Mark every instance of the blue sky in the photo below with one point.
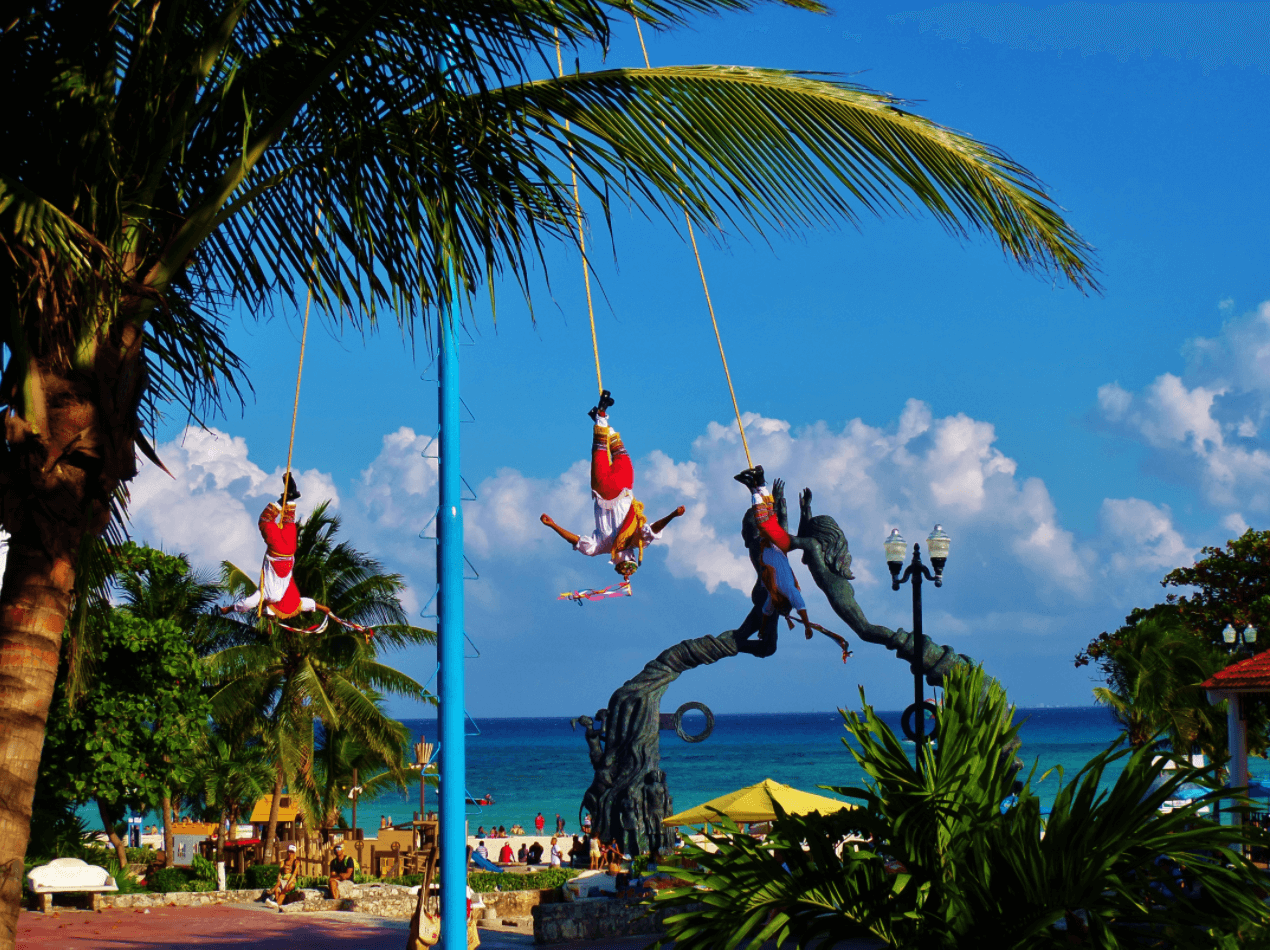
(1075, 447)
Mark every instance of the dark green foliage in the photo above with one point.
(1233, 587)
(1154, 669)
(1153, 665)
(261, 875)
(140, 723)
(171, 880)
(485, 881)
(941, 866)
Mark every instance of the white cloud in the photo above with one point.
(1145, 534)
(203, 508)
(1206, 424)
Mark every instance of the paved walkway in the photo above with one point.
(227, 926)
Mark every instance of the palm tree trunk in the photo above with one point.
(35, 601)
(221, 832)
(271, 832)
(108, 822)
(168, 844)
(66, 444)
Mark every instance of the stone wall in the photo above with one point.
(382, 900)
(180, 898)
(595, 919)
(519, 903)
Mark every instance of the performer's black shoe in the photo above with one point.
(752, 478)
(606, 400)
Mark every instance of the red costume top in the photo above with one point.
(281, 595)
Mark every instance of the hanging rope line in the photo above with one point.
(692, 235)
(577, 210)
(295, 412)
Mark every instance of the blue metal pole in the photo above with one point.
(453, 843)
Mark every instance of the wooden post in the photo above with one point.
(423, 754)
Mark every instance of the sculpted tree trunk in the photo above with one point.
(627, 797)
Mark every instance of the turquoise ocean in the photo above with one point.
(541, 765)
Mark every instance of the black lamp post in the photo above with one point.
(937, 545)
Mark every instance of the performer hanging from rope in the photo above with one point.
(621, 530)
(282, 597)
(768, 548)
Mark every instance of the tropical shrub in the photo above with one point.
(941, 864)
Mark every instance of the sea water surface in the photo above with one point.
(541, 765)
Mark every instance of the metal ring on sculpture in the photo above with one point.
(704, 734)
(906, 721)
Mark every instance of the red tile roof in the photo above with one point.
(1252, 673)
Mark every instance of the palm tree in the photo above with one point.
(288, 679)
(342, 762)
(234, 772)
(934, 858)
(158, 160)
(1155, 670)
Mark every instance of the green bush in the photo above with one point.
(140, 855)
(168, 880)
(262, 876)
(203, 869)
(485, 881)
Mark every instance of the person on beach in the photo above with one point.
(287, 876)
(535, 853)
(522, 856)
(540, 823)
(621, 530)
(555, 858)
(615, 857)
(586, 823)
(596, 853)
(505, 855)
(559, 824)
(482, 850)
(341, 870)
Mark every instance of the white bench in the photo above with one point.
(69, 876)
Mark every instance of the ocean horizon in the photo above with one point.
(540, 764)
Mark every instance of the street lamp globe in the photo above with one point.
(1250, 634)
(1229, 635)
(937, 547)
(896, 548)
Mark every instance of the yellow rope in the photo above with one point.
(295, 411)
(692, 235)
(577, 208)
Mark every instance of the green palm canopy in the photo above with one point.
(160, 160)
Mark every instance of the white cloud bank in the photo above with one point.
(1207, 426)
(921, 471)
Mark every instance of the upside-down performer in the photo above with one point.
(282, 597)
(772, 563)
(621, 530)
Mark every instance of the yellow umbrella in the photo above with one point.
(754, 803)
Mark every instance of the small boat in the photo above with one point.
(487, 800)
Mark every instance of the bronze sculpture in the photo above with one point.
(627, 797)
